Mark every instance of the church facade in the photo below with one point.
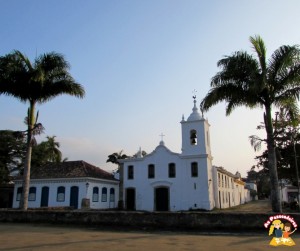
(168, 181)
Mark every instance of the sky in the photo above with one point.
(139, 63)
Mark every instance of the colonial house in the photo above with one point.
(229, 189)
(168, 181)
(69, 184)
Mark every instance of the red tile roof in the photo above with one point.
(70, 169)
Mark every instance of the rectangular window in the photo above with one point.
(219, 180)
(60, 194)
(112, 195)
(95, 194)
(151, 171)
(104, 194)
(194, 169)
(130, 173)
(19, 193)
(172, 170)
(32, 194)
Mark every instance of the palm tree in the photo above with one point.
(36, 83)
(55, 154)
(246, 80)
(114, 158)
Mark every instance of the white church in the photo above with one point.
(168, 181)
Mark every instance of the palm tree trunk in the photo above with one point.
(272, 162)
(121, 192)
(27, 166)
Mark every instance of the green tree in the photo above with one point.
(35, 83)
(114, 157)
(246, 80)
(286, 127)
(55, 154)
(12, 153)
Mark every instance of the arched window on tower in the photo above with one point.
(193, 137)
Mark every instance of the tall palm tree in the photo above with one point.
(36, 83)
(246, 80)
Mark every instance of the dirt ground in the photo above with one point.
(257, 206)
(32, 237)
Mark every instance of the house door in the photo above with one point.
(130, 199)
(45, 197)
(74, 197)
(161, 199)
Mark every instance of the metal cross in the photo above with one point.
(162, 136)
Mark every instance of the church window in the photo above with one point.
(193, 137)
(130, 173)
(32, 194)
(194, 169)
(172, 170)
(60, 194)
(95, 194)
(112, 195)
(19, 193)
(151, 171)
(104, 194)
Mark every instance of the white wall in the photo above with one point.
(185, 192)
(68, 183)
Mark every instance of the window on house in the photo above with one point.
(112, 195)
(32, 194)
(19, 193)
(172, 170)
(130, 173)
(219, 180)
(194, 169)
(193, 137)
(95, 194)
(104, 194)
(60, 194)
(151, 171)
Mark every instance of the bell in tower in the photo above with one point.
(193, 137)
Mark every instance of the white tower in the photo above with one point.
(195, 134)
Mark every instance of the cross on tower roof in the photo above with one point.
(162, 136)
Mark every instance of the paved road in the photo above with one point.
(30, 237)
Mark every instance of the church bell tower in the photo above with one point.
(195, 134)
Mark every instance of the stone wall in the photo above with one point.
(199, 221)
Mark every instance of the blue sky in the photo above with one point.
(139, 62)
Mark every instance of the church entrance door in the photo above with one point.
(161, 197)
(45, 197)
(74, 197)
(130, 199)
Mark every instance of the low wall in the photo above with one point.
(143, 220)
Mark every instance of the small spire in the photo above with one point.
(182, 117)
